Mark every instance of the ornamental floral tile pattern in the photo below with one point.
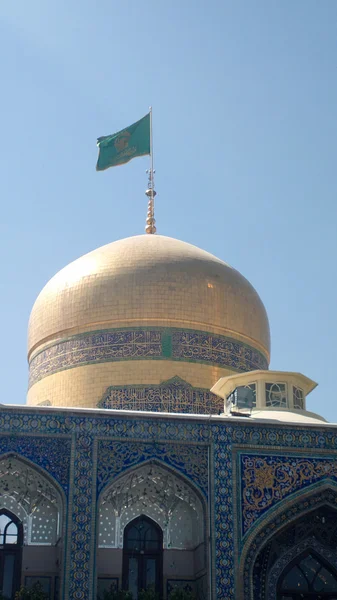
(80, 577)
(223, 514)
(266, 480)
(52, 454)
(284, 436)
(116, 457)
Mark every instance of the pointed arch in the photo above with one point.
(294, 556)
(189, 493)
(4, 530)
(274, 521)
(190, 460)
(35, 496)
(163, 465)
(43, 472)
(143, 553)
(156, 491)
(36, 508)
(11, 543)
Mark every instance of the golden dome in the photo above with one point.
(145, 283)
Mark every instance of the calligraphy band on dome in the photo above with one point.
(142, 344)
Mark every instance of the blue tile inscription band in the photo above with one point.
(174, 395)
(142, 344)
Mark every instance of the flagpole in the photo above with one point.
(150, 192)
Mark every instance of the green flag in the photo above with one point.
(119, 148)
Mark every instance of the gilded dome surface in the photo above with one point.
(99, 321)
(148, 278)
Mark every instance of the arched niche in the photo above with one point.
(307, 522)
(38, 503)
(143, 556)
(308, 574)
(158, 493)
(31, 495)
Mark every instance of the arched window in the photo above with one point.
(8, 530)
(11, 541)
(142, 556)
(308, 577)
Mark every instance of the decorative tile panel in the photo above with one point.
(142, 344)
(59, 422)
(52, 454)
(223, 514)
(80, 573)
(266, 480)
(174, 395)
(116, 457)
(265, 434)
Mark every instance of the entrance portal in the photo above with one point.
(142, 556)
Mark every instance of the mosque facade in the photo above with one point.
(157, 451)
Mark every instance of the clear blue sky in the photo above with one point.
(244, 95)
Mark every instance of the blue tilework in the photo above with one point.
(52, 454)
(153, 433)
(56, 421)
(92, 348)
(205, 347)
(174, 395)
(80, 575)
(247, 435)
(116, 457)
(136, 344)
(296, 510)
(223, 515)
(268, 479)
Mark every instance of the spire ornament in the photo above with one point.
(150, 192)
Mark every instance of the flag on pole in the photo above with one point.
(119, 148)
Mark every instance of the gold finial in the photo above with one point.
(150, 220)
(150, 193)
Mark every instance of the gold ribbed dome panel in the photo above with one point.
(148, 279)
